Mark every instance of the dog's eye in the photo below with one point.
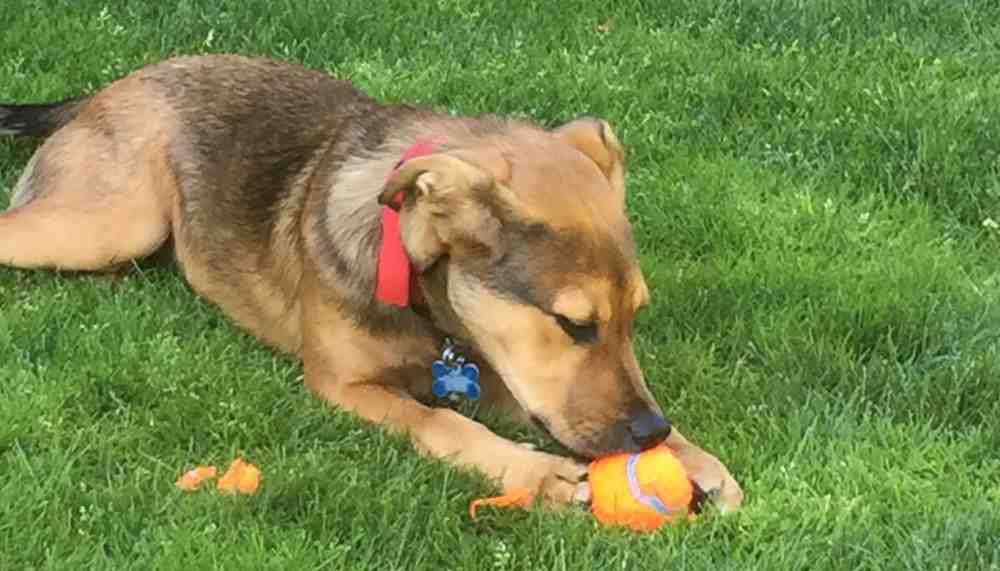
(579, 332)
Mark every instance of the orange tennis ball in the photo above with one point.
(640, 491)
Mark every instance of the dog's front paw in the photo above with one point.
(555, 480)
(712, 477)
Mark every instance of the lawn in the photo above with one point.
(815, 187)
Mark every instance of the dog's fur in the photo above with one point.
(266, 179)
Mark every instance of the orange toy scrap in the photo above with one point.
(240, 478)
(192, 479)
(519, 497)
(640, 491)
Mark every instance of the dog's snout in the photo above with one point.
(642, 428)
(648, 428)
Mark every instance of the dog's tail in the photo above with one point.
(38, 119)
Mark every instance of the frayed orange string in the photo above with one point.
(518, 498)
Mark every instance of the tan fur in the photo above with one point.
(100, 216)
(269, 178)
(21, 194)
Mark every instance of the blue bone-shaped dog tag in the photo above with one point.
(458, 379)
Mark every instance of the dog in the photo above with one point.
(375, 242)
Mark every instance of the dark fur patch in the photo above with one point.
(535, 254)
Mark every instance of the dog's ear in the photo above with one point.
(596, 139)
(444, 205)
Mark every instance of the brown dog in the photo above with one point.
(270, 180)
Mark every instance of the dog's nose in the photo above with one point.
(648, 428)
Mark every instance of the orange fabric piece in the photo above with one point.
(241, 478)
(192, 479)
(518, 498)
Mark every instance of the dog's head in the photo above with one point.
(528, 237)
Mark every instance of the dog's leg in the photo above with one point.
(374, 376)
(84, 204)
(446, 434)
(62, 235)
(707, 471)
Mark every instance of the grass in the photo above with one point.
(815, 187)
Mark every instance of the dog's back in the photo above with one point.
(240, 161)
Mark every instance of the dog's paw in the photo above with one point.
(712, 477)
(555, 480)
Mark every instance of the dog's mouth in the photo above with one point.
(540, 423)
(537, 421)
(570, 450)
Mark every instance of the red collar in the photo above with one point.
(395, 278)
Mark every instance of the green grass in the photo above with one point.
(812, 183)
